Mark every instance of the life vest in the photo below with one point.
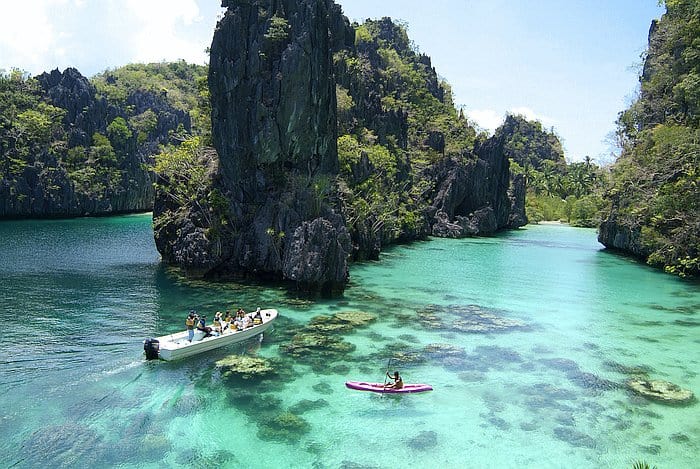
(189, 323)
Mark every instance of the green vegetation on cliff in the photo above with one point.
(33, 136)
(28, 124)
(655, 192)
(555, 190)
(183, 85)
(395, 117)
(72, 146)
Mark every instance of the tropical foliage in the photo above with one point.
(28, 124)
(182, 85)
(555, 190)
(386, 138)
(37, 140)
(656, 180)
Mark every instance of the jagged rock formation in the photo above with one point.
(613, 233)
(393, 94)
(528, 144)
(476, 195)
(274, 130)
(52, 184)
(293, 210)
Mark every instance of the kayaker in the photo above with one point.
(189, 325)
(398, 382)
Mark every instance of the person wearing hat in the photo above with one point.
(217, 322)
(189, 325)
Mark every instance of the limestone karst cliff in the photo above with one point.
(330, 141)
(654, 198)
(274, 131)
(69, 151)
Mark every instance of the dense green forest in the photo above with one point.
(655, 190)
(410, 125)
(556, 190)
(36, 133)
(72, 146)
(183, 85)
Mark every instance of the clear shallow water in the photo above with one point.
(546, 389)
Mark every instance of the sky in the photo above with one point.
(571, 64)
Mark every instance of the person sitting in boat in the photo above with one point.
(218, 326)
(238, 323)
(228, 319)
(398, 382)
(189, 325)
(257, 317)
(202, 326)
(247, 321)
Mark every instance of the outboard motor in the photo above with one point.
(151, 347)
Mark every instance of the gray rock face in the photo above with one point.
(273, 93)
(44, 189)
(475, 195)
(274, 129)
(516, 194)
(318, 255)
(625, 236)
(273, 102)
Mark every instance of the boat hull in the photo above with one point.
(177, 346)
(379, 387)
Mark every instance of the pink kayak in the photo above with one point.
(379, 387)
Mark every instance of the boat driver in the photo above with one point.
(189, 325)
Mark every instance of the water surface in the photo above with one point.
(528, 339)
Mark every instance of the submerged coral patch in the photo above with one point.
(578, 377)
(323, 388)
(661, 391)
(472, 319)
(245, 367)
(306, 405)
(423, 441)
(344, 321)
(400, 354)
(574, 437)
(67, 445)
(638, 370)
(444, 351)
(307, 345)
(285, 427)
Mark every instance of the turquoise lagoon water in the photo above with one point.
(538, 330)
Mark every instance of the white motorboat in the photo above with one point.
(176, 346)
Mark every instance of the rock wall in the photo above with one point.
(45, 189)
(273, 87)
(623, 235)
(475, 194)
(274, 131)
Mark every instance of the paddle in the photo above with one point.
(386, 375)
